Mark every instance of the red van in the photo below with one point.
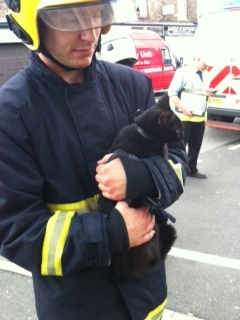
(153, 56)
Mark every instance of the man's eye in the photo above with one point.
(67, 20)
(97, 15)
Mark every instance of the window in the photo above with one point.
(166, 56)
(182, 9)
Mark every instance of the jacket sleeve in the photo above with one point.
(177, 83)
(30, 235)
(159, 181)
(169, 175)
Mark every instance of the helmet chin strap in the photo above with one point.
(43, 51)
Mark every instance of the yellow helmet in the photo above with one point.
(65, 15)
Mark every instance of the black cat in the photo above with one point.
(148, 134)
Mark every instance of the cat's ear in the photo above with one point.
(165, 117)
(163, 103)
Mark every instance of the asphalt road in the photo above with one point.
(203, 271)
(203, 267)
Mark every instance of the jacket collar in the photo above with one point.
(41, 70)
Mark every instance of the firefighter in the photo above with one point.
(58, 118)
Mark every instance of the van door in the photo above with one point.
(169, 67)
(158, 65)
(150, 62)
(154, 59)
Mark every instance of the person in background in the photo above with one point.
(58, 119)
(188, 92)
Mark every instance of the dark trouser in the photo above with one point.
(193, 136)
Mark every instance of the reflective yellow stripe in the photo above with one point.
(86, 205)
(178, 170)
(54, 241)
(157, 313)
(182, 117)
(57, 231)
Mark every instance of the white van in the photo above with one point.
(217, 32)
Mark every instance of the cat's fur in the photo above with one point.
(159, 126)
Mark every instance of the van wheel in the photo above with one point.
(225, 119)
(220, 118)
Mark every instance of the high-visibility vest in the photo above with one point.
(197, 103)
(196, 89)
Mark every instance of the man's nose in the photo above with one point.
(89, 35)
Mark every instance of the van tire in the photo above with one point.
(214, 117)
(225, 119)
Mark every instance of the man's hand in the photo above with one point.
(187, 112)
(211, 92)
(139, 223)
(111, 178)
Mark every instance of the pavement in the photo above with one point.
(10, 267)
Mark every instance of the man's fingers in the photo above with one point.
(150, 228)
(149, 236)
(151, 222)
(104, 159)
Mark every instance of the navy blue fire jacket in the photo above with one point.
(51, 136)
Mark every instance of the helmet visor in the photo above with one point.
(80, 17)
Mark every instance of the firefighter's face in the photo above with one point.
(72, 49)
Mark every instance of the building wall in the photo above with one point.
(151, 5)
(155, 10)
(13, 56)
(3, 9)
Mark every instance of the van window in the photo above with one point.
(175, 62)
(166, 56)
